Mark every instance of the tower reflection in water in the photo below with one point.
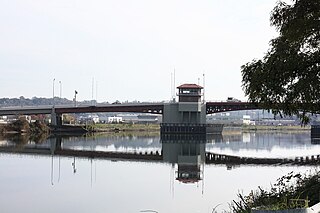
(188, 152)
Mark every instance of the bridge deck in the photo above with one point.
(155, 108)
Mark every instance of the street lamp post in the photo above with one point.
(53, 92)
(60, 89)
(75, 97)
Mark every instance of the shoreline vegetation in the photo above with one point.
(22, 126)
(292, 191)
(21, 131)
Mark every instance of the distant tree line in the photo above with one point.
(35, 101)
(22, 101)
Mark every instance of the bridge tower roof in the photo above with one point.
(190, 86)
(189, 93)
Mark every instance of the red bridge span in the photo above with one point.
(157, 108)
(154, 108)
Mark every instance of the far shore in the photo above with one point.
(227, 128)
(115, 128)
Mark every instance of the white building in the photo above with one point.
(3, 119)
(114, 119)
(246, 120)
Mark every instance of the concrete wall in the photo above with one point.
(184, 113)
(203, 115)
(170, 113)
(189, 107)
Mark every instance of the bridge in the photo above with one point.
(189, 110)
(154, 108)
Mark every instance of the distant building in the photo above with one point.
(247, 120)
(129, 118)
(115, 119)
(148, 119)
(89, 119)
(3, 119)
(140, 118)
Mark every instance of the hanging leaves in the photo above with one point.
(287, 78)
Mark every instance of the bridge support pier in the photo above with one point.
(56, 119)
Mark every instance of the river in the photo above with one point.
(34, 178)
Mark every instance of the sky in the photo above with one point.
(128, 50)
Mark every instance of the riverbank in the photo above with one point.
(22, 131)
(274, 128)
(156, 127)
(22, 126)
(292, 191)
(239, 129)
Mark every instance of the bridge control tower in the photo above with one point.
(188, 115)
(189, 93)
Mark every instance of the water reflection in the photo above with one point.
(172, 148)
(185, 153)
(188, 153)
(170, 175)
(266, 145)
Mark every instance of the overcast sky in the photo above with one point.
(129, 47)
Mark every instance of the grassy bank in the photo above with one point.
(156, 127)
(129, 134)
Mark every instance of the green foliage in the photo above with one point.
(291, 191)
(287, 78)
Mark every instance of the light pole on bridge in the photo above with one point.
(60, 89)
(75, 97)
(53, 92)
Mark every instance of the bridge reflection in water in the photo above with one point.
(186, 153)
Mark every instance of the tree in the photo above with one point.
(287, 79)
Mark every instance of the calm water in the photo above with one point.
(51, 183)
